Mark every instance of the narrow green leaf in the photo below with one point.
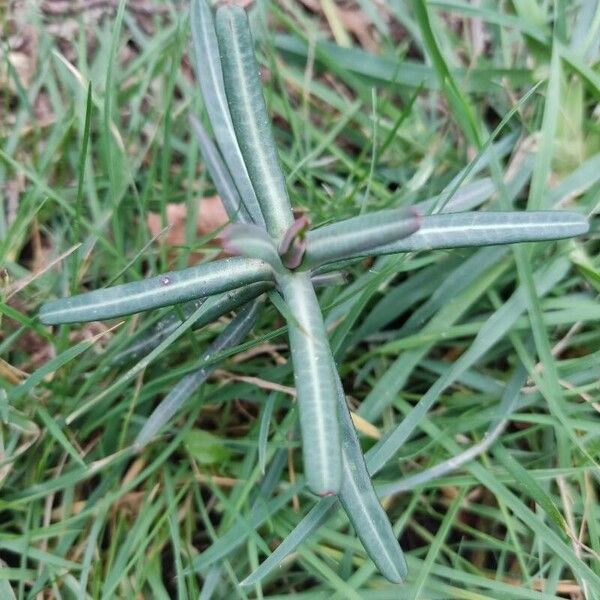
(82, 162)
(459, 102)
(112, 151)
(580, 180)
(90, 548)
(211, 580)
(359, 235)
(315, 385)
(250, 119)
(493, 330)
(170, 288)
(232, 335)
(261, 511)
(25, 321)
(467, 197)
(361, 503)
(23, 547)
(263, 431)
(317, 516)
(329, 279)
(58, 435)
(511, 394)
(3, 406)
(459, 230)
(436, 545)
(530, 486)
(50, 367)
(6, 590)
(219, 174)
(397, 71)
(496, 17)
(585, 265)
(142, 363)
(210, 77)
(490, 333)
(543, 164)
(164, 327)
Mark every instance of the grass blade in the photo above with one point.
(459, 103)
(50, 367)
(170, 288)
(317, 516)
(530, 486)
(509, 400)
(164, 327)
(210, 77)
(436, 545)
(315, 385)
(56, 432)
(82, 162)
(467, 197)
(495, 328)
(232, 335)
(263, 432)
(397, 71)
(142, 363)
(261, 512)
(539, 180)
(250, 118)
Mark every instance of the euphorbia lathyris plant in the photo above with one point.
(277, 254)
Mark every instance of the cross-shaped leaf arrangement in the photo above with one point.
(278, 254)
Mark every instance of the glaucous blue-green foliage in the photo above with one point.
(282, 255)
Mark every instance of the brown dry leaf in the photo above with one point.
(70, 7)
(211, 217)
(13, 188)
(312, 5)
(22, 43)
(12, 374)
(357, 23)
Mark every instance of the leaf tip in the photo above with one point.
(228, 240)
(293, 244)
(327, 494)
(416, 213)
(581, 225)
(47, 313)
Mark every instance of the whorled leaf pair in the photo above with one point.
(279, 253)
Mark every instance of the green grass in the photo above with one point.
(435, 348)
